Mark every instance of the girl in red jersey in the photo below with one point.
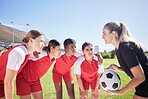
(28, 80)
(88, 69)
(62, 69)
(13, 60)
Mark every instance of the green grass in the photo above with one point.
(49, 91)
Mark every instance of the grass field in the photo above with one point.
(49, 92)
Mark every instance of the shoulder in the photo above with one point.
(123, 45)
(80, 59)
(42, 54)
(78, 54)
(19, 51)
(127, 45)
(95, 57)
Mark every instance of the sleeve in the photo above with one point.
(41, 55)
(15, 59)
(77, 66)
(101, 69)
(78, 54)
(95, 57)
(129, 56)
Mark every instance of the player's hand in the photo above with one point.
(83, 95)
(96, 93)
(112, 67)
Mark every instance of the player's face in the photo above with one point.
(88, 51)
(38, 43)
(71, 49)
(57, 51)
(107, 36)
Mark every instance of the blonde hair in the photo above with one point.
(122, 33)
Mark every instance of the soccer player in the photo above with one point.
(28, 80)
(13, 61)
(131, 58)
(62, 69)
(88, 70)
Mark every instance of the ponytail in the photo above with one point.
(122, 33)
(126, 36)
(31, 34)
(52, 44)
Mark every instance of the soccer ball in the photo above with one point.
(110, 80)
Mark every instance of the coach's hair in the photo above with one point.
(86, 44)
(69, 41)
(31, 34)
(122, 33)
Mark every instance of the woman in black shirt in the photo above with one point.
(131, 58)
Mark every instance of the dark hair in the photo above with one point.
(31, 34)
(86, 44)
(69, 41)
(52, 43)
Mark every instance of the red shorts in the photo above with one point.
(58, 77)
(2, 89)
(25, 88)
(86, 84)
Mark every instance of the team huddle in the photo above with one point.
(30, 67)
(31, 60)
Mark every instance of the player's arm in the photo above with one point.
(132, 61)
(100, 58)
(138, 78)
(8, 83)
(82, 90)
(80, 82)
(13, 65)
(100, 72)
(77, 71)
(98, 81)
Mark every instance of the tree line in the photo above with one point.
(112, 54)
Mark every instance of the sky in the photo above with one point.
(82, 20)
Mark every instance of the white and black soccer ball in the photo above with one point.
(110, 80)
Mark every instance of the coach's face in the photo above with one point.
(107, 36)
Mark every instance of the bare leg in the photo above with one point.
(37, 95)
(25, 97)
(138, 97)
(70, 89)
(58, 88)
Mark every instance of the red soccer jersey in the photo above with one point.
(89, 70)
(4, 60)
(34, 70)
(63, 64)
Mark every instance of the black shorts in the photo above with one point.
(142, 89)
